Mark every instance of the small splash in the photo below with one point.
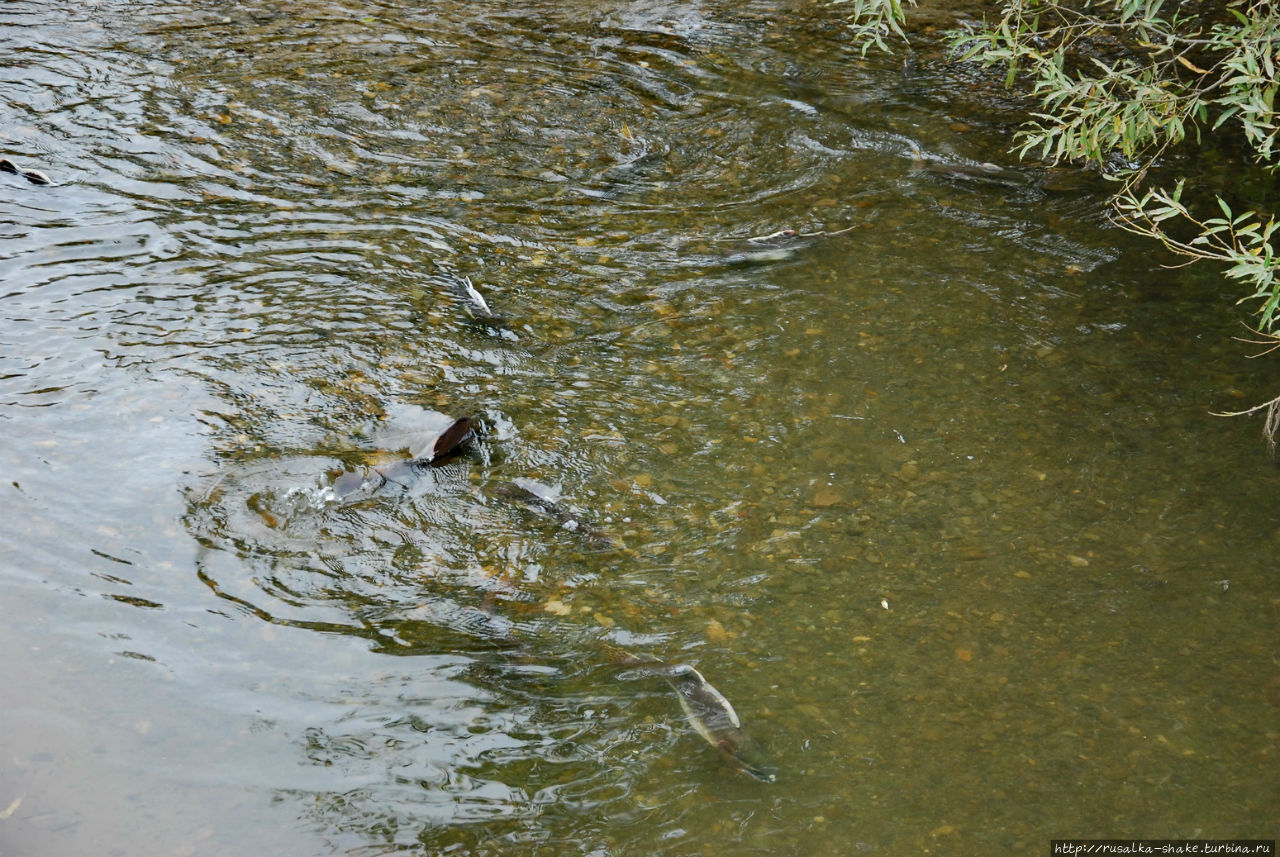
(302, 499)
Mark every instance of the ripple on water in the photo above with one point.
(245, 282)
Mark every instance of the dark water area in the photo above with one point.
(938, 502)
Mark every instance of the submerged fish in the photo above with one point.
(430, 450)
(541, 500)
(983, 172)
(469, 296)
(781, 245)
(709, 713)
(33, 176)
(714, 719)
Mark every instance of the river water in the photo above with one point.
(938, 503)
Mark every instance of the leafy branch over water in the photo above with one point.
(1119, 84)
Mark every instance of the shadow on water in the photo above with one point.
(930, 495)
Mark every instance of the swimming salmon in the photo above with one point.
(430, 450)
(709, 713)
(781, 245)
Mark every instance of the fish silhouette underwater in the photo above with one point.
(710, 714)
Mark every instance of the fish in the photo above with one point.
(710, 714)
(477, 307)
(713, 717)
(781, 245)
(431, 450)
(983, 172)
(33, 176)
(541, 500)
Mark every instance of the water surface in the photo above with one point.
(938, 504)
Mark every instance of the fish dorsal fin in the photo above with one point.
(450, 439)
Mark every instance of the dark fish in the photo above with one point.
(33, 176)
(710, 714)
(537, 498)
(781, 245)
(432, 450)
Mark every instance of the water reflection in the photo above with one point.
(930, 501)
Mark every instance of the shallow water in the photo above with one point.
(938, 503)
